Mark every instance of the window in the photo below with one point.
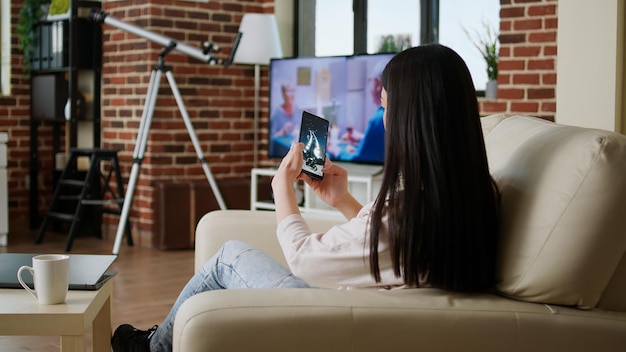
(344, 27)
(334, 25)
(388, 26)
(457, 15)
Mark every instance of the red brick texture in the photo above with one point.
(527, 63)
(218, 100)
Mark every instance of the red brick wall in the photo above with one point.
(527, 63)
(220, 101)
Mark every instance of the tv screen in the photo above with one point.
(345, 90)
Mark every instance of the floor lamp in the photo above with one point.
(260, 42)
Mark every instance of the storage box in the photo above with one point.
(49, 95)
(179, 205)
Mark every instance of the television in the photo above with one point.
(337, 88)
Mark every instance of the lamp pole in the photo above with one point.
(257, 87)
(260, 42)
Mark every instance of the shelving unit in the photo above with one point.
(66, 68)
(363, 185)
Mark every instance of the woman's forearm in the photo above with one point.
(284, 198)
(348, 206)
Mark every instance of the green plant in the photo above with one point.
(391, 44)
(30, 14)
(487, 43)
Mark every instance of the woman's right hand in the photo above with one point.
(333, 186)
(333, 189)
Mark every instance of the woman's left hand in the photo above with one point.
(289, 171)
(290, 167)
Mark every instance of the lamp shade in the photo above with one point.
(260, 40)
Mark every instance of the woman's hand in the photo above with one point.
(290, 167)
(288, 172)
(333, 189)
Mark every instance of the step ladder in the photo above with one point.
(78, 191)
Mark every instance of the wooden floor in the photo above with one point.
(147, 283)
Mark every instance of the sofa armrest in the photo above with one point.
(257, 228)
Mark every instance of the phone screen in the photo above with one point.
(314, 134)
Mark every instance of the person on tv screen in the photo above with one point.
(433, 224)
(285, 120)
(371, 143)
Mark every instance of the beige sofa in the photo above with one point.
(562, 267)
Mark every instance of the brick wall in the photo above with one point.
(220, 101)
(527, 63)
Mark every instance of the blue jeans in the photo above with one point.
(235, 265)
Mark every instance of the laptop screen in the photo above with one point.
(87, 271)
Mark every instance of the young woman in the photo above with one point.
(433, 224)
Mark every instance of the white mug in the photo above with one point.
(51, 277)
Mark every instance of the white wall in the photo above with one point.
(590, 64)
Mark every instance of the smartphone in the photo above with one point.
(314, 134)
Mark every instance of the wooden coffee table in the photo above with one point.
(20, 314)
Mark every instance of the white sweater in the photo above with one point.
(339, 257)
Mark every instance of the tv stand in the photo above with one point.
(363, 184)
(361, 169)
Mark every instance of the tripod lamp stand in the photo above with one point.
(260, 43)
(205, 54)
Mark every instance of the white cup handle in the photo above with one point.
(19, 278)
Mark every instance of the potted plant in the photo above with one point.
(487, 43)
(31, 13)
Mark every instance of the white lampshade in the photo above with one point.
(260, 40)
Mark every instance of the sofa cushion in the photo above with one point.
(563, 193)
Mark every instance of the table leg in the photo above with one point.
(72, 343)
(102, 328)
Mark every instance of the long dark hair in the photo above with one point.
(437, 194)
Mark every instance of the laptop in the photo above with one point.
(87, 271)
